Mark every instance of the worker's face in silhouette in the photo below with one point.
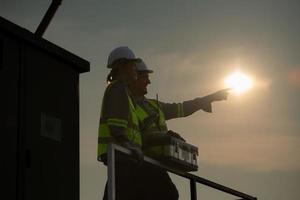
(141, 83)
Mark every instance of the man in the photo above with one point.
(119, 122)
(152, 114)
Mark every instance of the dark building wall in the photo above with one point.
(9, 119)
(52, 126)
(39, 117)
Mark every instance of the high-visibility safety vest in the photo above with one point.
(159, 127)
(131, 126)
(143, 114)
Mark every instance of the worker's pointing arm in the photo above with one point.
(204, 103)
(176, 110)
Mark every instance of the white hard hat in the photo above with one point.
(122, 52)
(142, 67)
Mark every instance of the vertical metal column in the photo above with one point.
(193, 189)
(111, 172)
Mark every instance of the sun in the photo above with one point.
(238, 82)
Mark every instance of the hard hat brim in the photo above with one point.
(148, 71)
(131, 59)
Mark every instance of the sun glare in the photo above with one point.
(238, 82)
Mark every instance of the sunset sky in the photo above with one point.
(251, 142)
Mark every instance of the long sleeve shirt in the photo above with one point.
(115, 108)
(176, 110)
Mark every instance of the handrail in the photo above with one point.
(193, 178)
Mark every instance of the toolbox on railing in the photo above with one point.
(172, 151)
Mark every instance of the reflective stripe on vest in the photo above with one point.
(142, 114)
(180, 112)
(132, 128)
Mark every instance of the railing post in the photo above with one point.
(111, 172)
(193, 188)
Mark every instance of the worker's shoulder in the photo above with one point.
(154, 101)
(116, 89)
(164, 105)
(116, 86)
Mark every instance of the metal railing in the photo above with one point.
(112, 148)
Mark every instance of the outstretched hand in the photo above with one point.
(217, 96)
(220, 95)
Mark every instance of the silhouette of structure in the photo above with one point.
(39, 113)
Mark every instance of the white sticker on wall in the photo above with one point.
(50, 127)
